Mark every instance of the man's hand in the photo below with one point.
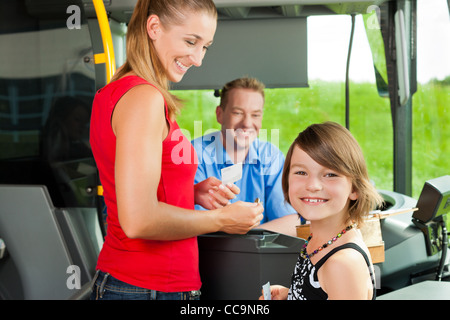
(212, 194)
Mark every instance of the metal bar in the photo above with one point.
(108, 55)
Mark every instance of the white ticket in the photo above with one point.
(266, 291)
(232, 173)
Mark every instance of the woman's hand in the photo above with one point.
(212, 194)
(239, 217)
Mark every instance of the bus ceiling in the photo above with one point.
(246, 21)
(240, 9)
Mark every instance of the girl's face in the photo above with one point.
(317, 192)
(181, 46)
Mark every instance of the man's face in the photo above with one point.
(241, 118)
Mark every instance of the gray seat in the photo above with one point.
(41, 244)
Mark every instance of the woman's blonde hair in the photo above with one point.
(141, 55)
(334, 147)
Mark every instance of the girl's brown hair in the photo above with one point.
(141, 55)
(334, 147)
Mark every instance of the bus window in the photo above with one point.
(46, 91)
(290, 110)
(369, 114)
(431, 103)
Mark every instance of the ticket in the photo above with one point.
(232, 173)
(266, 291)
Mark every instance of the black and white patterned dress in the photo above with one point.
(305, 283)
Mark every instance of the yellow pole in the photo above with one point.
(108, 55)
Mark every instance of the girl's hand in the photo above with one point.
(277, 292)
(212, 194)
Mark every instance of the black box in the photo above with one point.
(234, 267)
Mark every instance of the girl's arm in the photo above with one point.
(345, 276)
(140, 127)
(285, 225)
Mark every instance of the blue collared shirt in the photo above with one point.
(261, 172)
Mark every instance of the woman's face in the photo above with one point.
(180, 47)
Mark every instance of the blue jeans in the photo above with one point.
(106, 287)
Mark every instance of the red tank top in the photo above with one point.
(168, 266)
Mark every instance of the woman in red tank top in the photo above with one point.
(147, 166)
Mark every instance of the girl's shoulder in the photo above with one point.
(351, 255)
(346, 272)
(353, 250)
(348, 256)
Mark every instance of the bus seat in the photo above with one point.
(83, 237)
(35, 245)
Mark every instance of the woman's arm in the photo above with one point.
(140, 127)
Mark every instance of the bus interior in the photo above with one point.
(57, 53)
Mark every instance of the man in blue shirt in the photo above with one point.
(240, 114)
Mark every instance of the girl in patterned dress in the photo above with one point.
(325, 179)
